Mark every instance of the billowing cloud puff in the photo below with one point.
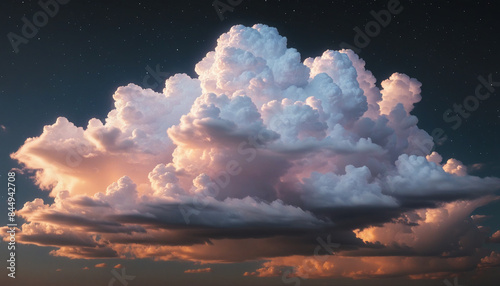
(416, 173)
(329, 190)
(265, 149)
(399, 89)
(490, 261)
(495, 238)
(294, 268)
(131, 141)
(432, 232)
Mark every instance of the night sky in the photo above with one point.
(73, 64)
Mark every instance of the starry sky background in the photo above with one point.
(75, 63)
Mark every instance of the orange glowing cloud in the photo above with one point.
(432, 230)
(305, 267)
(201, 270)
(495, 238)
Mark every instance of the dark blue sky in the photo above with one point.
(75, 62)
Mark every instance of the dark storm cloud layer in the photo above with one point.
(97, 226)
(262, 149)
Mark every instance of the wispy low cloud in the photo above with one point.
(495, 238)
(373, 267)
(201, 270)
(266, 150)
(101, 265)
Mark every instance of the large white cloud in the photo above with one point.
(261, 145)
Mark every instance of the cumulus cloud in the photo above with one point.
(399, 89)
(308, 267)
(265, 149)
(490, 261)
(431, 232)
(456, 167)
(416, 177)
(495, 238)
